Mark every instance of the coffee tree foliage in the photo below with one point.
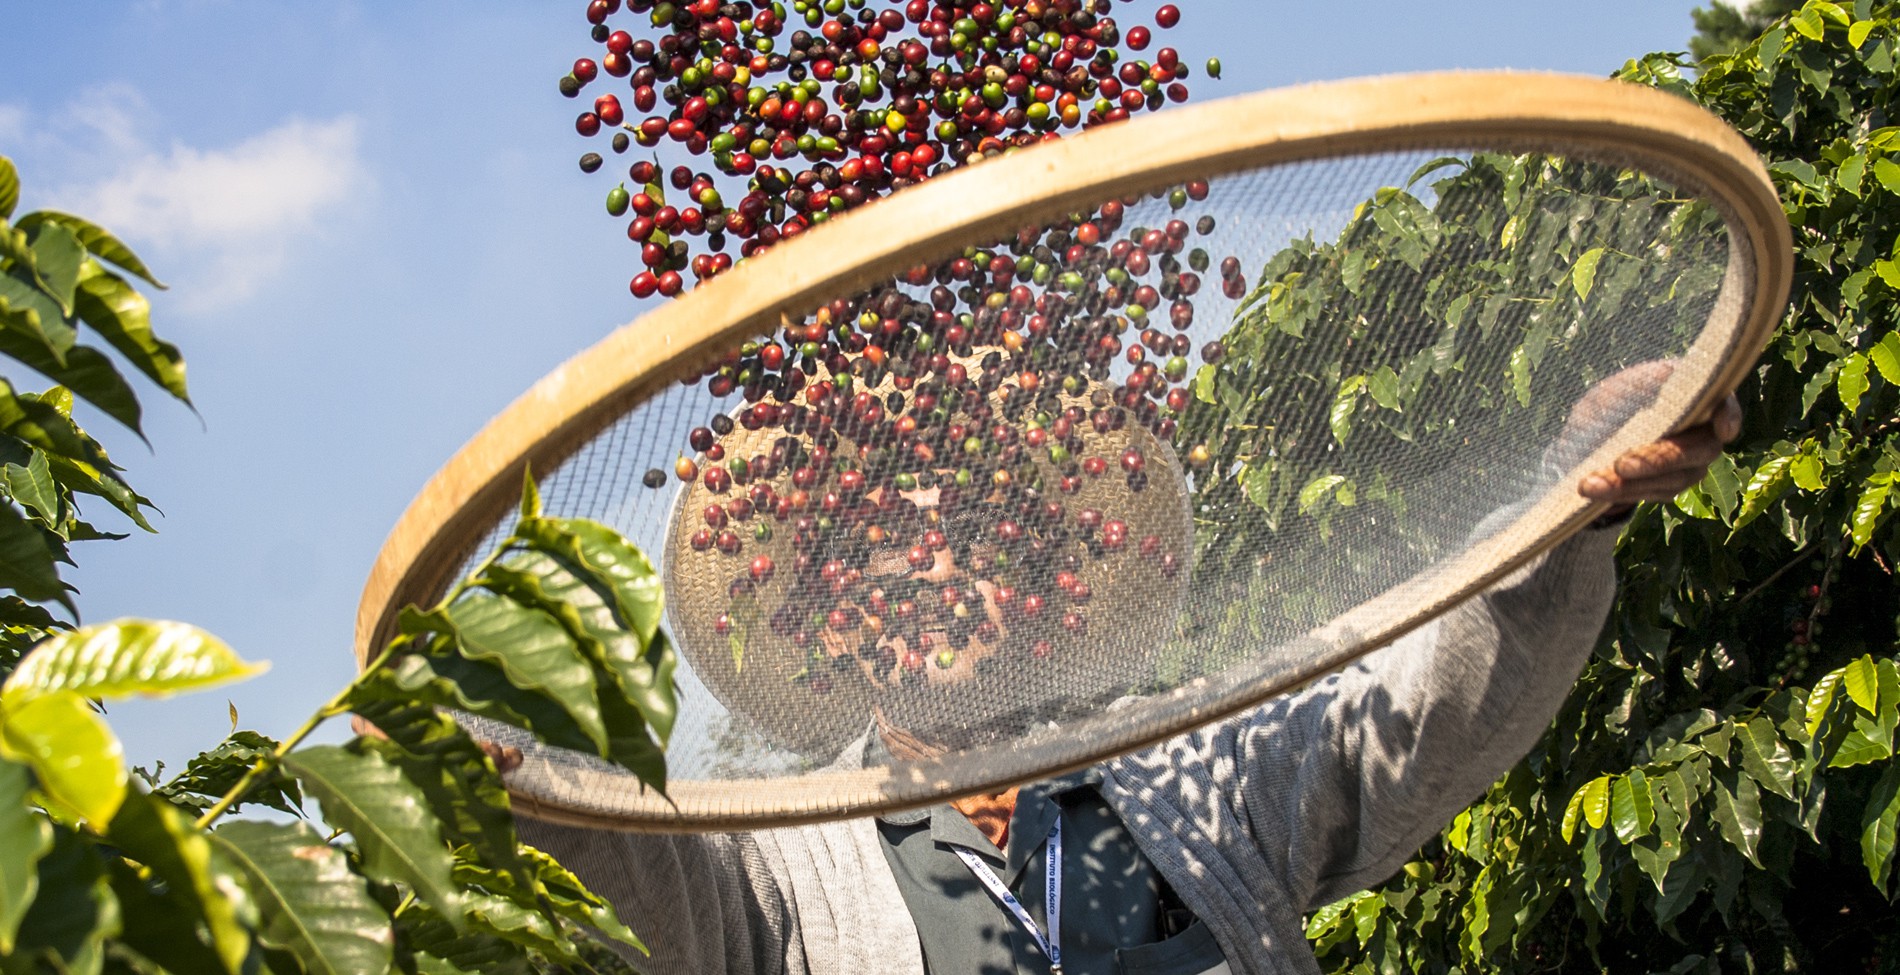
(1723, 27)
(1491, 306)
(1720, 793)
(412, 864)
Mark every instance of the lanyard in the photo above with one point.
(1051, 945)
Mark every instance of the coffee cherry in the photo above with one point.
(654, 478)
(728, 542)
(761, 569)
(685, 469)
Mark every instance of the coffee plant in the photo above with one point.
(414, 865)
(1720, 794)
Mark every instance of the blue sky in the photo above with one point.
(376, 238)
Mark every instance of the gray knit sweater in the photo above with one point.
(1253, 821)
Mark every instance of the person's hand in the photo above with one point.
(1661, 470)
(506, 759)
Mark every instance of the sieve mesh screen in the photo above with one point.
(1055, 496)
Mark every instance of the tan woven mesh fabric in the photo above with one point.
(1018, 545)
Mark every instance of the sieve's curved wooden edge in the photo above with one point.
(1469, 110)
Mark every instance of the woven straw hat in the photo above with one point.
(1070, 560)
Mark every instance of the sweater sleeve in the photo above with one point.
(1339, 782)
(702, 904)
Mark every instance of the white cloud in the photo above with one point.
(224, 221)
(12, 122)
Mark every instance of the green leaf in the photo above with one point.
(572, 900)
(96, 239)
(155, 833)
(397, 835)
(1806, 472)
(86, 479)
(216, 772)
(1632, 807)
(57, 256)
(1383, 384)
(41, 422)
(1655, 852)
(619, 597)
(539, 581)
(599, 555)
(1520, 370)
(32, 485)
(1885, 355)
(123, 318)
(1807, 22)
(1583, 274)
(1851, 384)
(524, 926)
(74, 913)
(311, 905)
(1256, 481)
(530, 496)
(1867, 509)
(25, 307)
(9, 188)
(149, 658)
(1878, 820)
(1862, 681)
(1888, 173)
(476, 687)
(440, 948)
(78, 762)
(1316, 489)
(529, 646)
(28, 561)
(1345, 404)
(1820, 699)
(454, 774)
(1769, 480)
(1852, 172)
(1862, 746)
(1765, 757)
(1738, 812)
(84, 370)
(1857, 33)
(1204, 384)
(1596, 801)
(25, 837)
(165, 930)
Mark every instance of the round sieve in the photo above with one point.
(1082, 447)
